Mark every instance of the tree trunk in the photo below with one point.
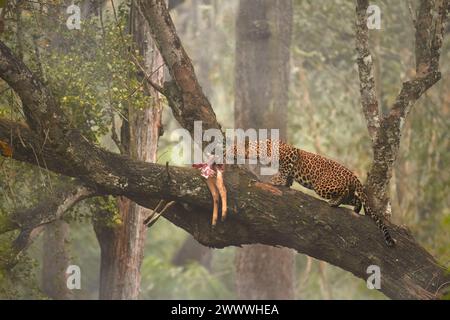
(192, 250)
(263, 34)
(56, 260)
(122, 248)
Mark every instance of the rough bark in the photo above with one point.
(122, 247)
(385, 130)
(366, 73)
(263, 33)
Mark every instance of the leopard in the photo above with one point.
(328, 178)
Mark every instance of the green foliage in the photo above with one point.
(106, 211)
(5, 221)
(93, 76)
(17, 278)
(90, 73)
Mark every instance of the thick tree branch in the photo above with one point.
(39, 107)
(186, 98)
(365, 68)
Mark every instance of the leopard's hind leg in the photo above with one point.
(336, 191)
(353, 200)
(339, 199)
(356, 203)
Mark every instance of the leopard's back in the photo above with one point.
(325, 176)
(328, 178)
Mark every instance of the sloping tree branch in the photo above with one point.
(49, 209)
(30, 221)
(186, 98)
(260, 213)
(40, 108)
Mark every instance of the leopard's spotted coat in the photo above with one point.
(328, 178)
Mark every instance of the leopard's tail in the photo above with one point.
(390, 242)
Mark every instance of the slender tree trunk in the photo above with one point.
(56, 260)
(122, 248)
(263, 35)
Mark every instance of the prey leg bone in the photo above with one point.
(222, 192)
(214, 179)
(210, 181)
